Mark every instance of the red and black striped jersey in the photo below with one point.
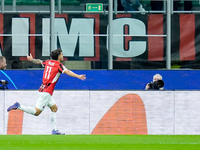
(51, 74)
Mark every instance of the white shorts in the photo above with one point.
(45, 99)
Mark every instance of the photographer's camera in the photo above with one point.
(156, 85)
(4, 84)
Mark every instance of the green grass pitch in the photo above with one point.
(99, 142)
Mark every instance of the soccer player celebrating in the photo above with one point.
(51, 74)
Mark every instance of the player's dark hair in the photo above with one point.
(55, 54)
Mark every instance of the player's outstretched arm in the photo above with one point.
(35, 61)
(72, 74)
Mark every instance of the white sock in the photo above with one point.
(53, 120)
(27, 109)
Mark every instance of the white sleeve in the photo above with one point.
(64, 69)
(42, 63)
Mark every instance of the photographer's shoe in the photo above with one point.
(13, 107)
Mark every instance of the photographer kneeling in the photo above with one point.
(157, 83)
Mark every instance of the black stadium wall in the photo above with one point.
(84, 37)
